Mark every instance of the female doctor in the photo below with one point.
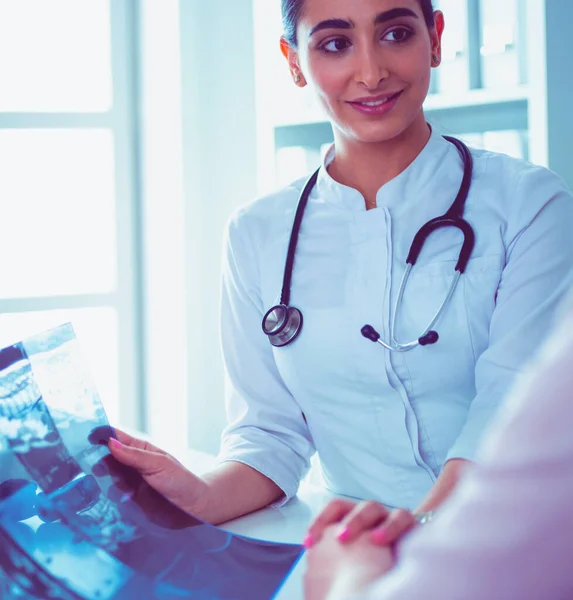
(393, 425)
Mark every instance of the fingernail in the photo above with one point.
(344, 534)
(115, 443)
(379, 536)
(308, 541)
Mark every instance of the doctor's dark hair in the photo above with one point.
(292, 11)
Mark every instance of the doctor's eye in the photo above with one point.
(398, 35)
(335, 46)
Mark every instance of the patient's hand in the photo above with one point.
(353, 519)
(336, 570)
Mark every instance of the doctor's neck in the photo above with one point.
(367, 166)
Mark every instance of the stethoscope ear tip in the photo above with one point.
(430, 338)
(370, 333)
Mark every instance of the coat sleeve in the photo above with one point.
(537, 274)
(266, 428)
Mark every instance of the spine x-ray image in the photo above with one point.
(76, 524)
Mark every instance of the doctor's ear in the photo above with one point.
(291, 56)
(436, 34)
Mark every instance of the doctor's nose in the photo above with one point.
(370, 69)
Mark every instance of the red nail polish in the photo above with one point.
(308, 541)
(344, 534)
(379, 537)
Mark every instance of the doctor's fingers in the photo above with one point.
(146, 462)
(133, 442)
(396, 525)
(334, 512)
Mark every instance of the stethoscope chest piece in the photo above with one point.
(282, 324)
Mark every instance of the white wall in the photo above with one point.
(219, 166)
(163, 233)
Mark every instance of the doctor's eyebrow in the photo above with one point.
(383, 17)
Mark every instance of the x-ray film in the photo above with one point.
(76, 524)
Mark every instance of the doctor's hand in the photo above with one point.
(335, 571)
(161, 471)
(352, 520)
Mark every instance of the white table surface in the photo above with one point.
(285, 524)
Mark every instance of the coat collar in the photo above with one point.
(415, 181)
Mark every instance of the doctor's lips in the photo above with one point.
(376, 105)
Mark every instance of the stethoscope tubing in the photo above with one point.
(397, 346)
(282, 323)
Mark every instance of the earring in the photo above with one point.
(436, 59)
(297, 77)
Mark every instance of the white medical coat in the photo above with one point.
(385, 423)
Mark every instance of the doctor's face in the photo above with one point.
(369, 63)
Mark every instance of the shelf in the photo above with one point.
(476, 98)
(481, 110)
(474, 111)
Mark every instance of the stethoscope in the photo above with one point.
(283, 323)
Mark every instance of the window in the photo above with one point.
(67, 232)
